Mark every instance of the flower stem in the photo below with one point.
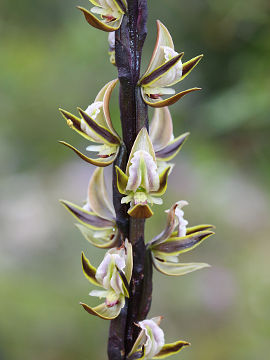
(129, 40)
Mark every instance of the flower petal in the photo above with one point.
(177, 269)
(171, 349)
(87, 218)
(161, 128)
(190, 65)
(98, 24)
(74, 123)
(98, 198)
(140, 211)
(101, 162)
(142, 142)
(89, 271)
(105, 312)
(197, 228)
(163, 182)
(163, 39)
(157, 103)
(122, 180)
(106, 100)
(125, 284)
(105, 135)
(179, 245)
(96, 241)
(172, 149)
(160, 71)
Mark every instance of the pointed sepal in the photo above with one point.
(171, 349)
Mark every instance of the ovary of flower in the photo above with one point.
(108, 10)
(168, 79)
(181, 222)
(154, 338)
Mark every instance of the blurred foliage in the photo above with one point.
(50, 58)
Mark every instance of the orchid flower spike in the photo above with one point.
(161, 134)
(111, 13)
(141, 183)
(96, 218)
(176, 239)
(165, 70)
(111, 40)
(96, 126)
(113, 275)
(150, 343)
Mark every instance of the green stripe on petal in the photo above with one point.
(89, 271)
(177, 269)
(105, 312)
(171, 349)
(74, 123)
(125, 284)
(98, 24)
(101, 162)
(157, 103)
(122, 180)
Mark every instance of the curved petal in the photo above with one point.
(98, 241)
(166, 233)
(163, 39)
(99, 24)
(122, 180)
(129, 261)
(87, 218)
(172, 148)
(122, 5)
(74, 123)
(190, 65)
(142, 142)
(89, 271)
(106, 100)
(105, 312)
(140, 211)
(197, 228)
(163, 182)
(160, 71)
(106, 136)
(161, 128)
(177, 269)
(157, 103)
(171, 349)
(179, 245)
(101, 162)
(98, 198)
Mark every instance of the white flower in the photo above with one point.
(182, 223)
(153, 337)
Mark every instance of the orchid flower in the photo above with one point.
(97, 217)
(141, 183)
(111, 14)
(96, 126)
(111, 40)
(150, 343)
(176, 239)
(113, 275)
(161, 134)
(165, 70)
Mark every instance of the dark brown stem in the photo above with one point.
(129, 40)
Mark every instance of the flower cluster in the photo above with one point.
(141, 182)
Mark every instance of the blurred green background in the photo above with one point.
(50, 57)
